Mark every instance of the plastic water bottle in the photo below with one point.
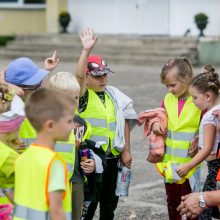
(123, 180)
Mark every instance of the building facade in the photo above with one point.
(141, 17)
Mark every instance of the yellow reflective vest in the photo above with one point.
(32, 170)
(180, 132)
(6, 177)
(102, 119)
(65, 149)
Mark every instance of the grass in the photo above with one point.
(4, 39)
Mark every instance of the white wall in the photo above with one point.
(148, 17)
(182, 16)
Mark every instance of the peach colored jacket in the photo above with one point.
(156, 142)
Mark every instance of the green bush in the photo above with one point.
(4, 39)
(201, 17)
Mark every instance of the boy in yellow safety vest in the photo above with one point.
(41, 177)
(111, 115)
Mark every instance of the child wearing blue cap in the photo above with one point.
(25, 74)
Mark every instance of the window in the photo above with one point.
(22, 3)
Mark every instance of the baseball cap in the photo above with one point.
(96, 66)
(23, 71)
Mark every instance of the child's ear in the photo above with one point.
(49, 124)
(208, 96)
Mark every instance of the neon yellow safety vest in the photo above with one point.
(32, 170)
(181, 131)
(6, 177)
(102, 119)
(65, 149)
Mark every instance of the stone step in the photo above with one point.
(122, 48)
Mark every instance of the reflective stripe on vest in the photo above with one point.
(99, 138)
(177, 152)
(28, 141)
(180, 136)
(97, 122)
(33, 214)
(3, 198)
(62, 147)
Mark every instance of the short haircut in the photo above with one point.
(63, 81)
(47, 104)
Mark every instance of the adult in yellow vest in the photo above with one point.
(41, 177)
(183, 125)
(101, 107)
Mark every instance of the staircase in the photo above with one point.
(137, 50)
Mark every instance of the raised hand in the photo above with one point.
(51, 63)
(88, 39)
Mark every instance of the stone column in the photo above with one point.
(53, 9)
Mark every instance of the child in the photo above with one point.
(108, 111)
(41, 178)
(204, 89)
(183, 123)
(25, 74)
(11, 117)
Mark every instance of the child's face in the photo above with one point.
(201, 100)
(96, 83)
(174, 85)
(64, 126)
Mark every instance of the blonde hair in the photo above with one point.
(64, 81)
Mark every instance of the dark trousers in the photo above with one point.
(174, 193)
(210, 185)
(106, 193)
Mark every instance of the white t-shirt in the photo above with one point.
(209, 118)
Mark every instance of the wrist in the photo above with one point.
(202, 202)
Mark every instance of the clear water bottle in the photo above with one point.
(123, 180)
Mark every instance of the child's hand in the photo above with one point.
(156, 128)
(88, 39)
(126, 158)
(217, 113)
(88, 166)
(51, 62)
(182, 170)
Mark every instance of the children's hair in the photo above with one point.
(64, 81)
(183, 65)
(5, 98)
(47, 104)
(207, 80)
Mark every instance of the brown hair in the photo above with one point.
(47, 104)
(183, 65)
(207, 80)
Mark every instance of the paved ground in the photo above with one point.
(147, 197)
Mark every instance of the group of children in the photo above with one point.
(59, 154)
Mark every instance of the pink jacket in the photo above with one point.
(156, 142)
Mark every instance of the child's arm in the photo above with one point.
(51, 63)
(56, 188)
(88, 42)
(209, 131)
(55, 205)
(126, 153)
